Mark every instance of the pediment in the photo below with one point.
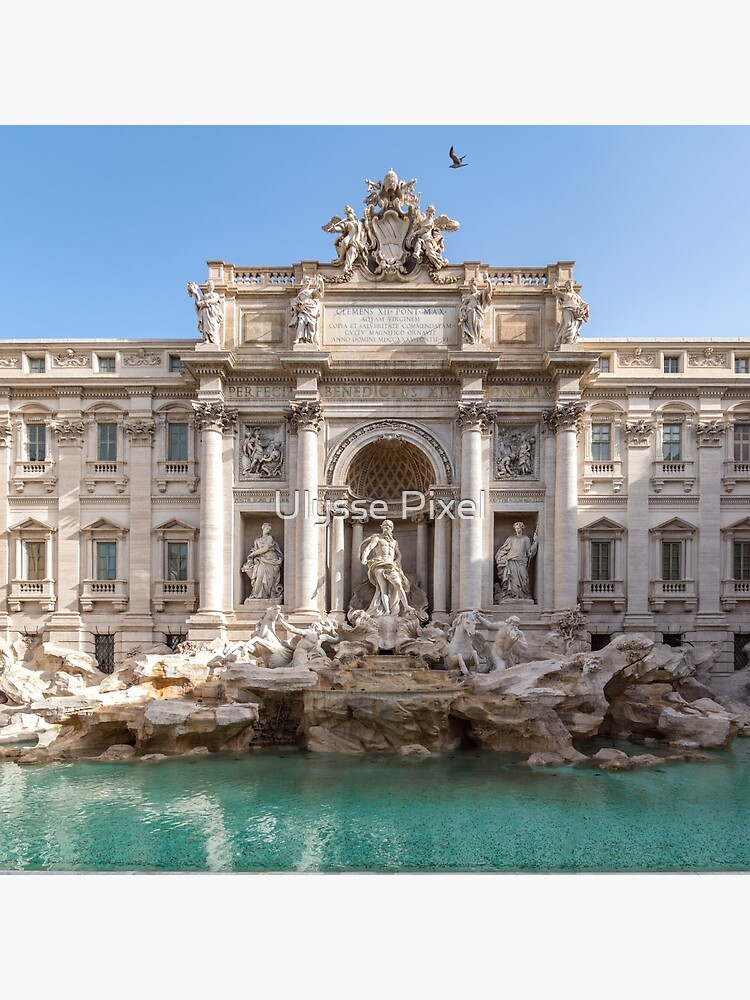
(675, 524)
(175, 524)
(31, 525)
(743, 525)
(604, 524)
(104, 525)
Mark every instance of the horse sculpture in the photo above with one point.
(465, 645)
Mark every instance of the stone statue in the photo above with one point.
(465, 645)
(382, 556)
(471, 311)
(352, 242)
(306, 311)
(426, 238)
(507, 636)
(263, 567)
(574, 312)
(426, 644)
(210, 311)
(512, 561)
(359, 639)
(260, 459)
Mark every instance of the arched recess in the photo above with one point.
(339, 462)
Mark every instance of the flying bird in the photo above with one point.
(458, 161)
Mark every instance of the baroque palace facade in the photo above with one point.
(461, 399)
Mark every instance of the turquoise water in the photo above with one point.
(288, 810)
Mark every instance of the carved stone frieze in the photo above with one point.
(637, 359)
(638, 433)
(214, 416)
(71, 359)
(473, 415)
(515, 452)
(261, 453)
(709, 433)
(68, 431)
(708, 358)
(563, 416)
(304, 415)
(140, 430)
(10, 361)
(142, 358)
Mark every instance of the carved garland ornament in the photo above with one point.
(70, 359)
(708, 359)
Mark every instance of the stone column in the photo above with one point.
(139, 430)
(357, 569)
(338, 610)
(562, 420)
(213, 420)
(423, 551)
(473, 420)
(440, 568)
(708, 561)
(305, 419)
(6, 439)
(65, 625)
(638, 434)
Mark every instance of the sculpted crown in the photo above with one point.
(394, 238)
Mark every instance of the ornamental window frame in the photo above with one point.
(93, 588)
(171, 591)
(24, 588)
(675, 531)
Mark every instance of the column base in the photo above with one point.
(205, 626)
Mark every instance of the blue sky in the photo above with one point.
(102, 226)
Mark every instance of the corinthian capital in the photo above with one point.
(68, 431)
(304, 414)
(563, 416)
(213, 416)
(473, 415)
(140, 430)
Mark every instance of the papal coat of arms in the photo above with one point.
(394, 238)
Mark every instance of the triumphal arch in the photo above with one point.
(388, 435)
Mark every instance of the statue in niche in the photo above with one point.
(260, 458)
(263, 567)
(512, 561)
(351, 244)
(382, 556)
(209, 309)
(515, 452)
(574, 313)
(306, 311)
(471, 310)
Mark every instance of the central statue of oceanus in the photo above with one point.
(394, 237)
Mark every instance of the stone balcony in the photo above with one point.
(34, 472)
(175, 592)
(597, 592)
(40, 592)
(177, 472)
(733, 591)
(105, 472)
(665, 592)
(673, 472)
(115, 591)
(735, 472)
(603, 472)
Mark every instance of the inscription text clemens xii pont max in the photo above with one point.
(390, 325)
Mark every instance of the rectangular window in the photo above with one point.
(175, 364)
(106, 365)
(671, 365)
(104, 652)
(35, 558)
(742, 442)
(36, 442)
(742, 560)
(601, 442)
(671, 560)
(106, 560)
(601, 560)
(37, 366)
(741, 366)
(177, 560)
(672, 443)
(106, 442)
(177, 442)
(603, 364)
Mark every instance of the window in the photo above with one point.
(177, 442)
(741, 366)
(603, 364)
(104, 652)
(35, 560)
(175, 364)
(601, 560)
(671, 365)
(37, 366)
(36, 442)
(106, 560)
(601, 442)
(177, 561)
(742, 442)
(741, 560)
(173, 640)
(671, 560)
(106, 365)
(672, 443)
(671, 639)
(106, 442)
(600, 640)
